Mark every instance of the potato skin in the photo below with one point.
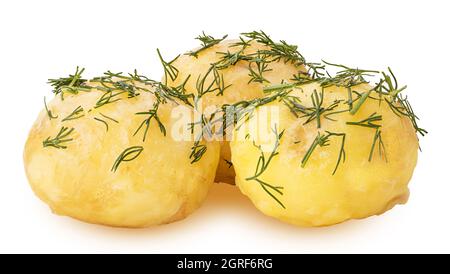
(159, 186)
(241, 89)
(312, 195)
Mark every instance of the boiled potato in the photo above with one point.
(93, 164)
(315, 177)
(237, 82)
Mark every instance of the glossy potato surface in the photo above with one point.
(159, 186)
(312, 195)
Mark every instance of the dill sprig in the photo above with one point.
(129, 154)
(169, 69)
(229, 59)
(78, 112)
(205, 85)
(197, 151)
(399, 105)
(241, 43)
(228, 162)
(142, 79)
(298, 79)
(341, 156)
(129, 88)
(278, 87)
(322, 140)
(127, 82)
(69, 83)
(256, 75)
(347, 76)
(390, 86)
(60, 139)
(387, 89)
(377, 139)
(314, 70)
(109, 97)
(311, 113)
(180, 92)
(49, 112)
(262, 166)
(277, 50)
(103, 122)
(114, 84)
(207, 41)
(368, 122)
(152, 114)
(109, 118)
(165, 92)
(232, 114)
(360, 101)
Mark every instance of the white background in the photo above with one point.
(45, 39)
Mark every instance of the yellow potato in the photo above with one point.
(236, 79)
(87, 181)
(311, 194)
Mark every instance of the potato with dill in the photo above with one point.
(101, 151)
(224, 73)
(342, 149)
